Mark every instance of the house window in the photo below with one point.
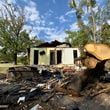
(35, 57)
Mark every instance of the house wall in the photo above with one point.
(67, 55)
(42, 59)
(32, 56)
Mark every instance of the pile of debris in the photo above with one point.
(26, 88)
(52, 88)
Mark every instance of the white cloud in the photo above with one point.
(33, 18)
(33, 31)
(55, 34)
(62, 19)
(47, 14)
(51, 33)
(36, 23)
(74, 27)
(11, 1)
(58, 36)
(51, 23)
(45, 29)
(31, 12)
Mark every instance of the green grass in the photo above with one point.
(4, 67)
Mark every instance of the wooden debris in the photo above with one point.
(50, 89)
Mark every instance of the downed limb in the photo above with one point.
(106, 90)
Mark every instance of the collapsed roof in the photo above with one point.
(53, 44)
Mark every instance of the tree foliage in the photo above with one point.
(105, 34)
(13, 38)
(92, 20)
(84, 8)
(77, 39)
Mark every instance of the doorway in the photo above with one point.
(55, 57)
(59, 56)
(52, 57)
(75, 54)
(35, 57)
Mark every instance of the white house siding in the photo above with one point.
(67, 55)
(32, 56)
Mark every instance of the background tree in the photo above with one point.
(105, 34)
(13, 39)
(84, 11)
(77, 38)
(92, 20)
(103, 23)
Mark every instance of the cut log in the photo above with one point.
(100, 51)
(90, 62)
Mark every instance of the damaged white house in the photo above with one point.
(53, 53)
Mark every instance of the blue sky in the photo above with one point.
(48, 19)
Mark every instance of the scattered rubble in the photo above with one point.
(52, 88)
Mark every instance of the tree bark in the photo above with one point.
(15, 58)
(93, 26)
